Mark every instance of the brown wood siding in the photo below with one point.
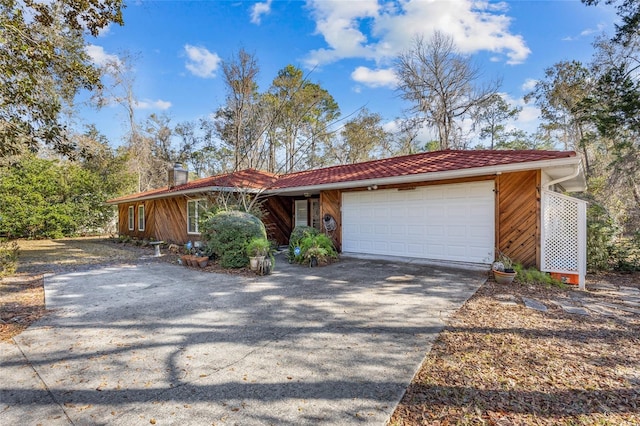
(277, 219)
(331, 203)
(170, 217)
(165, 219)
(518, 216)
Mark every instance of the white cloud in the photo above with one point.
(99, 56)
(201, 62)
(339, 22)
(529, 84)
(260, 9)
(149, 104)
(375, 78)
(367, 29)
(586, 33)
(598, 29)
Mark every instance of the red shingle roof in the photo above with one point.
(415, 164)
(248, 178)
(427, 162)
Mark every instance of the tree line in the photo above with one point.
(295, 123)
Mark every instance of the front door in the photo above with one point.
(307, 212)
(302, 213)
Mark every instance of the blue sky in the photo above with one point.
(348, 47)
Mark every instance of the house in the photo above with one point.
(447, 205)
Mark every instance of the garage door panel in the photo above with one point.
(444, 222)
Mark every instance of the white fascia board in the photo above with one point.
(187, 192)
(424, 177)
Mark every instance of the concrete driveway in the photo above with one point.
(156, 343)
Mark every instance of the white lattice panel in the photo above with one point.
(563, 234)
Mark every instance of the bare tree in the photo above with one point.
(237, 120)
(441, 84)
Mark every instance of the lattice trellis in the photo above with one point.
(563, 245)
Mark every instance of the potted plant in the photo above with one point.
(502, 268)
(257, 249)
(202, 261)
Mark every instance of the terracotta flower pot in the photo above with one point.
(503, 277)
(202, 261)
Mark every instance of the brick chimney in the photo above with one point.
(177, 176)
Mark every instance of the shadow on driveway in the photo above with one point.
(157, 343)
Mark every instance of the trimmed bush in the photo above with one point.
(8, 257)
(227, 234)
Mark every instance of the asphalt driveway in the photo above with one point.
(156, 343)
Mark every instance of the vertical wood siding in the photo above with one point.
(165, 219)
(170, 216)
(518, 216)
(331, 203)
(277, 219)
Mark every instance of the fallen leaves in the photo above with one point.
(501, 364)
(21, 303)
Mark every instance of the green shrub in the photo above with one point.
(258, 247)
(296, 237)
(316, 245)
(8, 257)
(601, 233)
(226, 235)
(534, 276)
(625, 254)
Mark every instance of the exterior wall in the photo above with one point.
(331, 203)
(518, 216)
(517, 212)
(278, 218)
(165, 219)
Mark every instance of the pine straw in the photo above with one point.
(510, 365)
(21, 303)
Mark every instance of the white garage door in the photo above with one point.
(443, 222)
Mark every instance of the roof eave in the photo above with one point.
(432, 176)
(184, 192)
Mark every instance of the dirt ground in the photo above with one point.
(505, 364)
(22, 295)
(495, 363)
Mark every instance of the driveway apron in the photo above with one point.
(156, 343)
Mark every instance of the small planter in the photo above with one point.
(185, 259)
(255, 261)
(264, 266)
(202, 261)
(503, 277)
(191, 261)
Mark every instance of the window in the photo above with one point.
(301, 213)
(131, 219)
(141, 218)
(195, 212)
